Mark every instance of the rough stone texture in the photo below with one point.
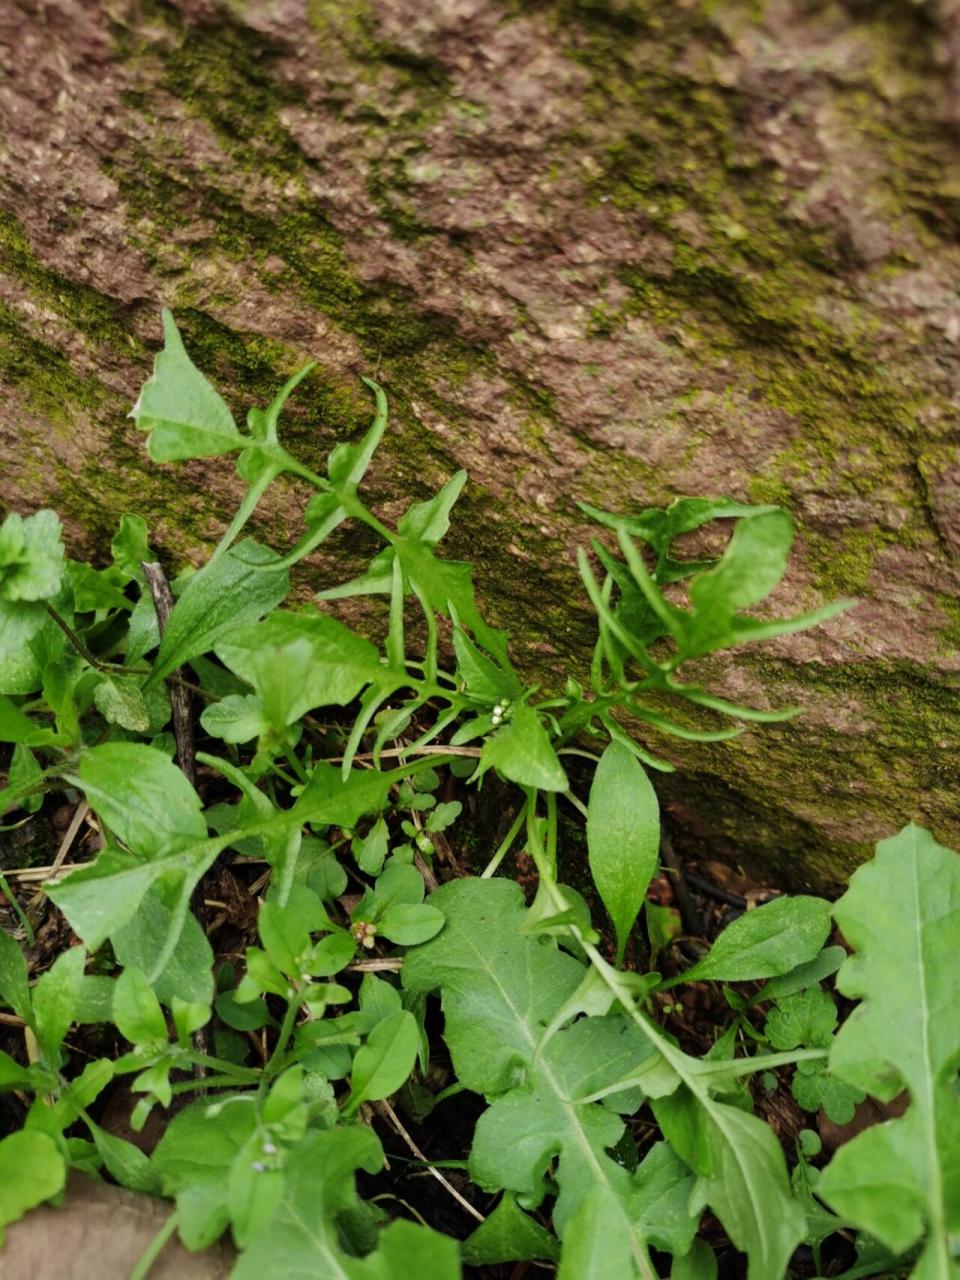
(616, 250)
(102, 1231)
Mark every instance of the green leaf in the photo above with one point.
(136, 1010)
(227, 593)
(428, 522)
(501, 989)
(623, 837)
(55, 1000)
(699, 1264)
(900, 1181)
(31, 1171)
(408, 924)
(142, 797)
(330, 800)
(95, 589)
(751, 566)
(301, 1241)
(31, 557)
(595, 1247)
(766, 942)
(193, 1160)
(14, 978)
(803, 976)
(522, 752)
(482, 677)
(478, 961)
(236, 718)
(813, 1086)
(188, 972)
(348, 463)
(298, 661)
(509, 1235)
(807, 1018)
(99, 898)
(127, 1164)
(16, 727)
(747, 1189)
(384, 1062)
(130, 546)
(186, 418)
(25, 630)
(120, 701)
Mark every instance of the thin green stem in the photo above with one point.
(155, 1247)
(242, 1075)
(294, 762)
(246, 509)
(85, 653)
(430, 664)
(19, 912)
(205, 1082)
(505, 844)
(283, 1038)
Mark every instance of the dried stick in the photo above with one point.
(387, 1112)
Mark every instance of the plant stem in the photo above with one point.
(286, 1031)
(506, 842)
(85, 653)
(155, 1247)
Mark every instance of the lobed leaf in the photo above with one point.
(900, 1181)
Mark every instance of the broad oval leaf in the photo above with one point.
(623, 837)
(385, 1061)
(142, 797)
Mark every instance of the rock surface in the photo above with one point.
(616, 250)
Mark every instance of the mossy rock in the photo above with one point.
(599, 249)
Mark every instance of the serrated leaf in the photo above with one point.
(500, 989)
(813, 1086)
(807, 1017)
(766, 942)
(900, 1181)
(185, 416)
(623, 837)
